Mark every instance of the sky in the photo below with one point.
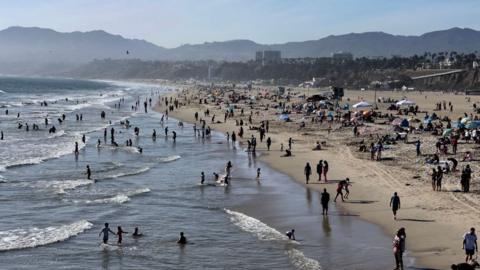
(170, 23)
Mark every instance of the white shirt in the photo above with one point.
(470, 240)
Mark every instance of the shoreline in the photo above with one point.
(373, 183)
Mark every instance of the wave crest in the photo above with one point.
(33, 237)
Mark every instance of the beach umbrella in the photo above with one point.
(447, 132)
(405, 102)
(396, 121)
(362, 104)
(465, 120)
(284, 117)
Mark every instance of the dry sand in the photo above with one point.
(435, 221)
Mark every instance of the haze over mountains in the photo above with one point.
(21, 46)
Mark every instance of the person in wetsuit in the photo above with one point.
(105, 231)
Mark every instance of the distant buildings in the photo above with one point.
(268, 57)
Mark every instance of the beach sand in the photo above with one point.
(435, 221)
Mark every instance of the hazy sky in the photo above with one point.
(171, 23)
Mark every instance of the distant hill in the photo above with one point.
(34, 48)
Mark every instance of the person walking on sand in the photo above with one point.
(470, 244)
(439, 178)
(325, 199)
(325, 170)
(339, 191)
(105, 231)
(346, 187)
(269, 143)
(320, 170)
(308, 172)
(434, 179)
(399, 248)
(395, 204)
(417, 147)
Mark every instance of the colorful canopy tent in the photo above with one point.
(362, 104)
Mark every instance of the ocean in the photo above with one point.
(51, 214)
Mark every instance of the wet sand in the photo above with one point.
(425, 214)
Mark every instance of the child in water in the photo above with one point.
(119, 234)
(291, 234)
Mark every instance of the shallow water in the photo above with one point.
(52, 214)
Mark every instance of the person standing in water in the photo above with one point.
(136, 233)
(307, 171)
(325, 199)
(182, 240)
(89, 172)
(76, 148)
(395, 204)
(258, 173)
(399, 248)
(119, 234)
(105, 231)
(202, 178)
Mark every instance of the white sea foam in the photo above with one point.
(119, 198)
(33, 237)
(169, 158)
(60, 186)
(22, 153)
(128, 173)
(266, 233)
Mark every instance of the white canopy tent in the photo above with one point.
(405, 102)
(362, 104)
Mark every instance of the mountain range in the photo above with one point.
(38, 46)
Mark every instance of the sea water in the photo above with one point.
(51, 215)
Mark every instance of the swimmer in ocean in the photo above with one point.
(120, 232)
(136, 233)
(76, 148)
(105, 232)
(89, 172)
(182, 240)
(291, 234)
